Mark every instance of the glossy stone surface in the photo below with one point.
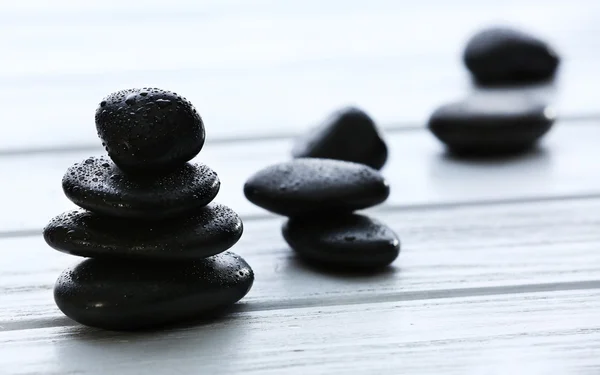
(209, 231)
(310, 185)
(97, 185)
(149, 129)
(348, 134)
(345, 241)
(500, 55)
(133, 295)
(490, 127)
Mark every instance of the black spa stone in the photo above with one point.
(208, 231)
(488, 127)
(134, 295)
(311, 186)
(348, 134)
(501, 55)
(97, 185)
(149, 129)
(346, 241)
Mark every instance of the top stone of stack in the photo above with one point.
(149, 130)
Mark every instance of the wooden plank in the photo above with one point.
(418, 170)
(535, 333)
(490, 249)
(386, 58)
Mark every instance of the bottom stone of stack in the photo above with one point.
(126, 295)
(346, 241)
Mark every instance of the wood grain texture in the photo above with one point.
(419, 172)
(499, 267)
(447, 252)
(269, 68)
(532, 333)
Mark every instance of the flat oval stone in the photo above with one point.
(346, 241)
(310, 185)
(209, 231)
(133, 295)
(485, 126)
(149, 129)
(97, 185)
(348, 134)
(503, 55)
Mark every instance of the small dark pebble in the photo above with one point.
(97, 185)
(133, 295)
(348, 241)
(500, 55)
(350, 135)
(149, 129)
(208, 231)
(490, 127)
(310, 185)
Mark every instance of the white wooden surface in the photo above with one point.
(539, 333)
(499, 271)
(264, 67)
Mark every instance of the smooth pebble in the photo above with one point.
(311, 185)
(344, 241)
(348, 134)
(97, 185)
(490, 127)
(134, 295)
(208, 231)
(149, 129)
(500, 55)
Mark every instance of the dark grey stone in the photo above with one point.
(208, 231)
(500, 55)
(149, 129)
(348, 134)
(345, 241)
(489, 127)
(97, 185)
(133, 295)
(310, 185)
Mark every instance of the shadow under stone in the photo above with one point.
(340, 271)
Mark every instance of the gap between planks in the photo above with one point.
(572, 120)
(418, 170)
(493, 250)
(383, 208)
(530, 333)
(425, 295)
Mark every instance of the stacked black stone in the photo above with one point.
(503, 55)
(484, 126)
(156, 242)
(511, 121)
(320, 196)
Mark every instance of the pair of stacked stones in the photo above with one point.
(499, 121)
(157, 246)
(334, 173)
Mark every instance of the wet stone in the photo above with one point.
(149, 129)
(135, 295)
(348, 134)
(208, 231)
(97, 185)
(310, 185)
(343, 241)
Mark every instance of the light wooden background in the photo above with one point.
(500, 267)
